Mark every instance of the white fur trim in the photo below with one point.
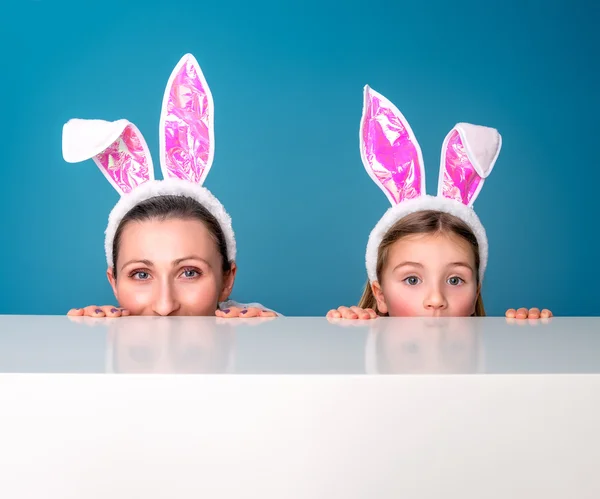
(395, 213)
(85, 139)
(174, 187)
(483, 145)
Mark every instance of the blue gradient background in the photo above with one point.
(287, 80)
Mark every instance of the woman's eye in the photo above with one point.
(412, 281)
(191, 273)
(140, 276)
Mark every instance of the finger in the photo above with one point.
(267, 313)
(522, 313)
(111, 311)
(347, 313)
(534, 313)
(229, 313)
(225, 313)
(334, 314)
(93, 311)
(546, 314)
(361, 313)
(511, 313)
(247, 313)
(371, 313)
(75, 312)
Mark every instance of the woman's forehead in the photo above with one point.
(171, 235)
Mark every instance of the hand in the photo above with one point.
(95, 311)
(352, 313)
(244, 313)
(524, 313)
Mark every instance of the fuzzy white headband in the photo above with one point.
(393, 159)
(187, 148)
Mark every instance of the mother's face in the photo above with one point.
(169, 267)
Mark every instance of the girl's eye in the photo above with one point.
(412, 280)
(455, 281)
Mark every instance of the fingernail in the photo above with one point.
(226, 311)
(244, 312)
(98, 311)
(114, 310)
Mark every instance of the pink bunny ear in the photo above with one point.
(468, 157)
(389, 149)
(187, 141)
(118, 148)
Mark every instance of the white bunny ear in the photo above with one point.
(469, 153)
(118, 149)
(389, 149)
(187, 143)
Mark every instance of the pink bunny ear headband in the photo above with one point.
(392, 157)
(187, 148)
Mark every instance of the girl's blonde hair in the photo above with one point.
(423, 222)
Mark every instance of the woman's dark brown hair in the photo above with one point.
(170, 207)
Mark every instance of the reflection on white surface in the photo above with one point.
(409, 346)
(195, 345)
(179, 345)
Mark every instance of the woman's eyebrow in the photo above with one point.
(147, 263)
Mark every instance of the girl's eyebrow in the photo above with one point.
(408, 264)
(461, 264)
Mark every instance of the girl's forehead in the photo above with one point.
(441, 244)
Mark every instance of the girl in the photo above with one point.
(427, 255)
(170, 246)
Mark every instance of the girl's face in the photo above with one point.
(428, 275)
(169, 267)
